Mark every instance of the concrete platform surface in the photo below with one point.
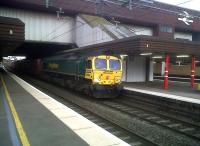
(177, 90)
(36, 119)
(40, 125)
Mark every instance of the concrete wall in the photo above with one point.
(124, 67)
(134, 69)
(41, 26)
(151, 70)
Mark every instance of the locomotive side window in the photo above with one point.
(100, 63)
(89, 64)
(114, 64)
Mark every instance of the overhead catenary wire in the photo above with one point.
(74, 28)
(107, 37)
(60, 25)
(118, 33)
(151, 5)
(184, 2)
(107, 16)
(134, 33)
(54, 30)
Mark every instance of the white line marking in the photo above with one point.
(170, 96)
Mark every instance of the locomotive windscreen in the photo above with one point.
(101, 63)
(114, 64)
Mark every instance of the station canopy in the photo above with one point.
(137, 45)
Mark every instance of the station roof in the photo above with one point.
(140, 44)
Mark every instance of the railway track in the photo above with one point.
(184, 110)
(134, 118)
(159, 110)
(123, 134)
(174, 124)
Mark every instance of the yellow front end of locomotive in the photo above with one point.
(107, 77)
(107, 70)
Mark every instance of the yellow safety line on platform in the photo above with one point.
(21, 132)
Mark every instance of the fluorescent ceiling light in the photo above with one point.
(14, 57)
(20, 57)
(145, 54)
(6, 58)
(157, 57)
(182, 56)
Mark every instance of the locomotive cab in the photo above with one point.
(104, 70)
(105, 74)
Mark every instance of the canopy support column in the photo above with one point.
(193, 71)
(166, 83)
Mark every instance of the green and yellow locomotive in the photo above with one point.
(99, 76)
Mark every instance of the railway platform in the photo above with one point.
(177, 90)
(30, 117)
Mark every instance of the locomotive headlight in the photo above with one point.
(117, 79)
(97, 79)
